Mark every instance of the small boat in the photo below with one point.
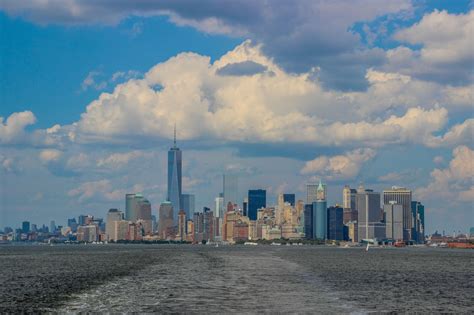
(367, 248)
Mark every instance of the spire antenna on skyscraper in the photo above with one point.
(174, 138)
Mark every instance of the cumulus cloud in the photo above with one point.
(50, 155)
(454, 183)
(276, 108)
(13, 129)
(447, 52)
(339, 167)
(101, 190)
(462, 133)
(117, 160)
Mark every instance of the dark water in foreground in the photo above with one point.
(244, 279)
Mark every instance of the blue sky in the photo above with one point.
(371, 92)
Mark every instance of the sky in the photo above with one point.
(281, 93)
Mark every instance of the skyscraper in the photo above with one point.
(174, 179)
(308, 221)
(418, 217)
(335, 224)
(230, 189)
(369, 215)
(393, 221)
(188, 204)
(137, 207)
(165, 219)
(320, 212)
(182, 225)
(401, 196)
(311, 195)
(130, 206)
(257, 199)
(348, 197)
(320, 219)
(112, 216)
(290, 198)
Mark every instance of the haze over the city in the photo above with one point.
(379, 93)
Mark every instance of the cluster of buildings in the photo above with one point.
(365, 215)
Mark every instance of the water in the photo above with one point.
(243, 279)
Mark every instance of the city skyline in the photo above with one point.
(90, 104)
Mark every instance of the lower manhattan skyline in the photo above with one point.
(382, 96)
(238, 156)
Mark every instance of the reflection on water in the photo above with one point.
(198, 279)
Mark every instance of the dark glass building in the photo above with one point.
(257, 199)
(335, 217)
(25, 227)
(308, 221)
(290, 198)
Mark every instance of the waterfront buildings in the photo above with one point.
(174, 194)
(369, 215)
(257, 199)
(401, 196)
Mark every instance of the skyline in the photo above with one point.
(382, 97)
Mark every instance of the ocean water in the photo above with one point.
(238, 279)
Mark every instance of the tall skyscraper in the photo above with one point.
(401, 196)
(165, 219)
(188, 204)
(308, 221)
(130, 207)
(393, 221)
(348, 197)
(112, 216)
(257, 199)
(230, 189)
(335, 223)
(174, 179)
(290, 198)
(369, 215)
(137, 207)
(319, 210)
(320, 219)
(311, 195)
(25, 227)
(182, 225)
(418, 216)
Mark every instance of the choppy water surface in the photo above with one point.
(205, 279)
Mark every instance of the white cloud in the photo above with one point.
(447, 52)
(445, 37)
(339, 167)
(100, 190)
(458, 134)
(454, 183)
(261, 107)
(117, 160)
(91, 81)
(50, 155)
(13, 129)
